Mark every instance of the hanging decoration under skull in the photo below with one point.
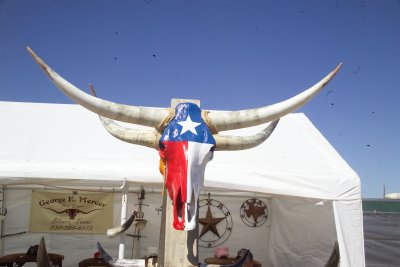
(185, 137)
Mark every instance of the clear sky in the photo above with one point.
(229, 54)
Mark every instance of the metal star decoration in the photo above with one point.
(209, 223)
(221, 228)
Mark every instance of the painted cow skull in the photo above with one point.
(185, 137)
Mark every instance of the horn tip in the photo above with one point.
(30, 51)
(41, 63)
(92, 91)
(333, 73)
(338, 67)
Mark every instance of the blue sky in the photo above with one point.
(230, 55)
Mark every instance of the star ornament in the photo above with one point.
(188, 125)
(209, 223)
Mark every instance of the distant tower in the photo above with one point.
(384, 191)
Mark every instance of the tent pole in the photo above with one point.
(3, 191)
(137, 247)
(124, 210)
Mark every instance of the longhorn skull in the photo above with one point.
(185, 137)
(71, 212)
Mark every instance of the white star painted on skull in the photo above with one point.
(188, 125)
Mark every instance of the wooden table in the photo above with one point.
(92, 262)
(227, 261)
(21, 258)
(100, 262)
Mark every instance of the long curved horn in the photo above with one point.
(152, 117)
(111, 233)
(143, 137)
(115, 262)
(229, 142)
(87, 212)
(230, 120)
(59, 212)
(104, 255)
(42, 258)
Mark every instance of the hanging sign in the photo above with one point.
(71, 213)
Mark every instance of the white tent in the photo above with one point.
(314, 195)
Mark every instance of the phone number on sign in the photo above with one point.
(71, 228)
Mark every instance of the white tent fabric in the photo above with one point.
(54, 144)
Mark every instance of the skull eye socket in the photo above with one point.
(161, 145)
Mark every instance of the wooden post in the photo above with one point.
(177, 248)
